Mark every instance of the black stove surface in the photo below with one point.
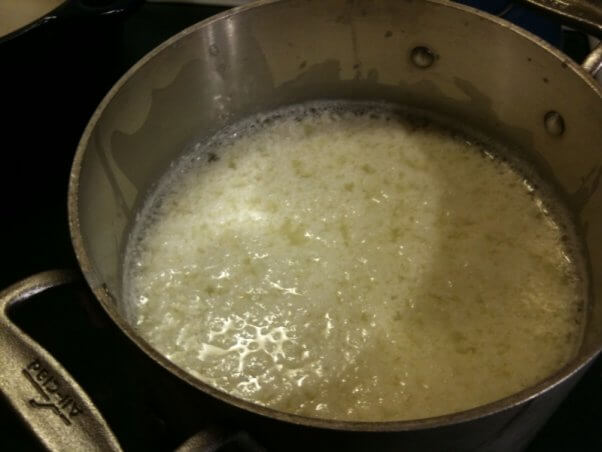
(50, 103)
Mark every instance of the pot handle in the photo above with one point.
(48, 399)
(585, 15)
(593, 62)
(215, 438)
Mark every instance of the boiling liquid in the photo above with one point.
(354, 266)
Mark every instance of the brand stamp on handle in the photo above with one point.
(48, 386)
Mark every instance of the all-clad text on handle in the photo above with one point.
(48, 399)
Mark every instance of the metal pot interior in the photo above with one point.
(486, 73)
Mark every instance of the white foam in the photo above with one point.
(355, 267)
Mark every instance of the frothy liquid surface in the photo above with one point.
(355, 267)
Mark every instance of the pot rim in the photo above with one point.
(108, 303)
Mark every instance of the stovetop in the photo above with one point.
(48, 107)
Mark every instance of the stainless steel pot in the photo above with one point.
(429, 54)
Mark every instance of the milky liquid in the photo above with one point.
(354, 266)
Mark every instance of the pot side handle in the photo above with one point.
(593, 62)
(585, 15)
(48, 399)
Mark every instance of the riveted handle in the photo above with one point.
(593, 62)
(48, 399)
(585, 15)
